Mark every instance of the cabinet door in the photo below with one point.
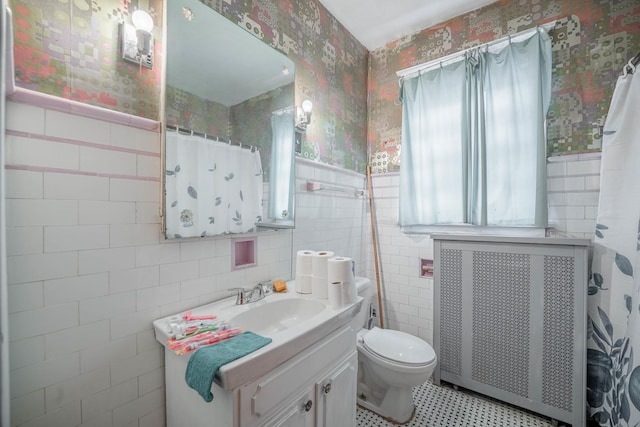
(336, 395)
(300, 413)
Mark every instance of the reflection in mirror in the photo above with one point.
(225, 90)
(281, 203)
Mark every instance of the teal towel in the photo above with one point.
(205, 362)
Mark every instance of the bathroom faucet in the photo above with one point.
(258, 292)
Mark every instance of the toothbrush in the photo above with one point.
(184, 329)
(176, 345)
(187, 316)
(194, 330)
(193, 345)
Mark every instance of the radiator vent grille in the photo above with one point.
(451, 315)
(510, 315)
(558, 341)
(501, 320)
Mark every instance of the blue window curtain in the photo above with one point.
(473, 139)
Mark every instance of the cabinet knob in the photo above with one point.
(307, 406)
(327, 388)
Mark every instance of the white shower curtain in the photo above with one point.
(613, 327)
(212, 187)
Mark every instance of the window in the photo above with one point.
(473, 138)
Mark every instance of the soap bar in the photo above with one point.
(279, 286)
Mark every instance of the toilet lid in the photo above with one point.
(398, 346)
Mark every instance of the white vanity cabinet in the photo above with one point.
(330, 402)
(299, 413)
(306, 376)
(336, 395)
(316, 388)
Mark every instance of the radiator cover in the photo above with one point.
(509, 320)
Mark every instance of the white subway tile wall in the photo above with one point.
(333, 219)
(574, 189)
(89, 270)
(408, 298)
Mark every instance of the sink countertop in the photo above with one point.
(285, 343)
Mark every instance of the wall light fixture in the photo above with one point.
(304, 115)
(137, 40)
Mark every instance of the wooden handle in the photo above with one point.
(375, 244)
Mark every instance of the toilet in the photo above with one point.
(390, 364)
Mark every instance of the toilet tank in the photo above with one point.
(363, 287)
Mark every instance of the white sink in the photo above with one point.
(293, 322)
(276, 315)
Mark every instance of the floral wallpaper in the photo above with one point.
(71, 49)
(190, 111)
(331, 71)
(592, 39)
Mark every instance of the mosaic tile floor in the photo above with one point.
(445, 407)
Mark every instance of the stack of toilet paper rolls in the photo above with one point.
(342, 286)
(304, 271)
(319, 274)
(326, 276)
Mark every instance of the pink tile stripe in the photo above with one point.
(79, 172)
(82, 143)
(33, 97)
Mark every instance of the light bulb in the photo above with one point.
(307, 106)
(142, 20)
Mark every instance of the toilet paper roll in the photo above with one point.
(340, 269)
(336, 294)
(319, 287)
(319, 263)
(303, 283)
(304, 261)
(319, 282)
(349, 293)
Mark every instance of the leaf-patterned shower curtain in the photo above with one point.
(613, 325)
(212, 187)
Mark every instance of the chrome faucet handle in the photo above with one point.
(241, 297)
(267, 287)
(258, 292)
(259, 289)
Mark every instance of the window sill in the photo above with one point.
(476, 230)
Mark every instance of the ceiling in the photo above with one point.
(377, 22)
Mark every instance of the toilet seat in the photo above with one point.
(398, 347)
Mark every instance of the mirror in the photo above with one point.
(222, 83)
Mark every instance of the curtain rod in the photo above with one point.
(417, 69)
(185, 131)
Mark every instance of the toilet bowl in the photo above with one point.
(390, 364)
